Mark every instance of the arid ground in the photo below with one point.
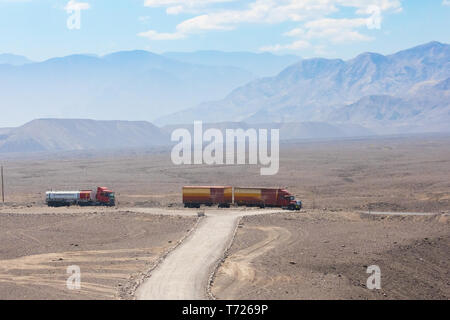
(324, 255)
(321, 252)
(112, 248)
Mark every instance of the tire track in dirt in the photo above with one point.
(238, 267)
(49, 269)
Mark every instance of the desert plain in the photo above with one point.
(369, 201)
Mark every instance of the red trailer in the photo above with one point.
(194, 196)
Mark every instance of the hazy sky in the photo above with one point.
(329, 28)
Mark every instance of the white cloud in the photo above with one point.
(336, 30)
(176, 6)
(332, 30)
(311, 15)
(175, 10)
(163, 3)
(446, 3)
(294, 32)
(328, 23)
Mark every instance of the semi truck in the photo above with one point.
(102, 196)
(225, 196)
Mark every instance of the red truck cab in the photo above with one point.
(106, 196)
(287, 200)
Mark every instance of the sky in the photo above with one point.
(41, 29)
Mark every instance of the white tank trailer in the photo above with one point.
(100, 197)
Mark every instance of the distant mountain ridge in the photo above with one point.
(13, 59)
(56, 135)
(322, 89)
(129, 85)
(261, 64)
(81, 134)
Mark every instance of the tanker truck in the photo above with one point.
(102, 196)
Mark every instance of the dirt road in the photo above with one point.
(185, 273)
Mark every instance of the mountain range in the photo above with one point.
(260, 64)
(406, 91)
(128, 85)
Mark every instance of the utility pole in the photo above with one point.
(3, 186)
